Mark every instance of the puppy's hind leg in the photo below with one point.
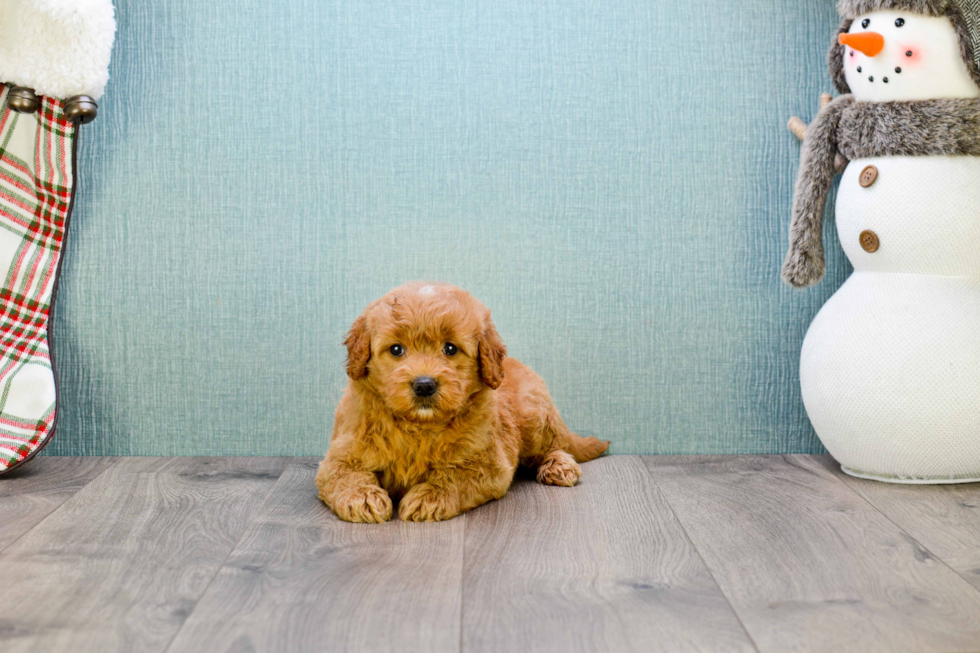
(560, 465)
(582, 449)
(558, 468)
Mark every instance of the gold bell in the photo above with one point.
(81, 109)
(23, 100)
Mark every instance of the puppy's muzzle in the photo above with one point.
(424, 386)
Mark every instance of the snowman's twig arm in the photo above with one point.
(798, 127)
(804, 264)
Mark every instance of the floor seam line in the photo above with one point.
(704, 562)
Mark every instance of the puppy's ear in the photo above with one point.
(492, 353)
(358, 349)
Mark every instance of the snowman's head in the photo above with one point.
(887, 52)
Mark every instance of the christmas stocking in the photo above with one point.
(49, 50)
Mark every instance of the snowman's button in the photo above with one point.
(869, 241)
(868, 176)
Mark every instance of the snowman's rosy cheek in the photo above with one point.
(911, 55)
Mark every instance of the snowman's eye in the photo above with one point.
(865, 23)
(899, 22)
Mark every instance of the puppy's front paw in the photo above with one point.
(425, 502)
(365, 505)
(559, 468)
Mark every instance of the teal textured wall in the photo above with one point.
(612, 178)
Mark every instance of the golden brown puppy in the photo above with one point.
(436, 415)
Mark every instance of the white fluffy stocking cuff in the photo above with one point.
(59, 48)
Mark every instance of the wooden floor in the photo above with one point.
(754, 553)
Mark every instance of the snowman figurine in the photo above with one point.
(890, 367)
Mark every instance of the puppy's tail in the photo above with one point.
(582, 449)
(585, 449)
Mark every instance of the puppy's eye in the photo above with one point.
(450, 349)
(865, 23)
(397, 350)
(899, 22)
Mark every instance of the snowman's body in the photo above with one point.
(890, 368)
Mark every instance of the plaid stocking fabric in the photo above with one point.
(36, 180)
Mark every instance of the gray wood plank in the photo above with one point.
(32, 492)
(809, 565)
(119, 566)
(604, 566)
(944, 518)
(302, 580)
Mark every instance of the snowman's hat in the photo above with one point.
(964, 14)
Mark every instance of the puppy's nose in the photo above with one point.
(424, 386)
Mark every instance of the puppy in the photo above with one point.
(435, 414)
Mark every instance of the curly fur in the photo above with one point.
(851, 9)
(443, 455)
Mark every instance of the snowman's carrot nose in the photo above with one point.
(870, 43)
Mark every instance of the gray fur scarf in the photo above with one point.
(859, 130)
